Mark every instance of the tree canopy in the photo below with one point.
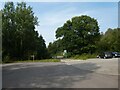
(79, 35)
(20, 40)
(110, 41)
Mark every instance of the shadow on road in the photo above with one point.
(52, 76)
(87, 66)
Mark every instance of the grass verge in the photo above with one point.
(84, 56)
(44, 60)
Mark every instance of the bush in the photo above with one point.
(6, 59)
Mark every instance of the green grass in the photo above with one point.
(84, 56)
(44, 60)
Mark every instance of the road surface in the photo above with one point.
(64, 74)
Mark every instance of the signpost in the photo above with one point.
(65, 53)
(33, 57)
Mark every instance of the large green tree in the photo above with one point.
(79, 35)
(25, 29)
(8, 29)
(20, 40)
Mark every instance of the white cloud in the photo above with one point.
(50, 21)
(56, 17)
(106, 17)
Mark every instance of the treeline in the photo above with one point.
(19, 38)
(110, 41)
(81, 35)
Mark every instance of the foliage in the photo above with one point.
(81, 35)
(20, 40)
(110, 41)
(55, 48)
(78, 35)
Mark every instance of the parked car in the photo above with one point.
(105, 55)
(116, 54)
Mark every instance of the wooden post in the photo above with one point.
(33, 57)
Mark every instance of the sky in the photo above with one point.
(52, 15)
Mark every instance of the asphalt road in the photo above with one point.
(65, 74)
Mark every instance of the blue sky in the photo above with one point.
(52, 15)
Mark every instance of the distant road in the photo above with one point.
(103, 66)
(65, 74)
